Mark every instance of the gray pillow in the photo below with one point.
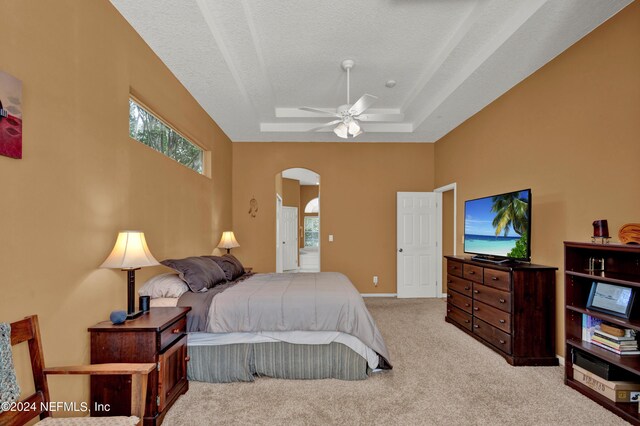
(231, 266)
(199, 273)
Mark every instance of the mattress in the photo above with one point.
(294, 337)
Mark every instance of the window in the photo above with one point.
(151, 131)
(311, 231)
(312, 206)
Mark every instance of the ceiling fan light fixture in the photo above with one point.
(341, 131)
(354, 128)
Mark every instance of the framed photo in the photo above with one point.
(611, 299)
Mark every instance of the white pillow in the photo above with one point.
(164, 285)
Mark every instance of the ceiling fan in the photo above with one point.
(349, 116)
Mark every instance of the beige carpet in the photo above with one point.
(441, 376)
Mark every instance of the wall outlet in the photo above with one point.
(375, 280)
(330, 238)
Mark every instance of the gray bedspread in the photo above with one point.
(324, 301)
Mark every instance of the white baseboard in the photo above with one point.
(560, 359)
(442, 295)
(379, 294)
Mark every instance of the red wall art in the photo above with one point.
(10, 116)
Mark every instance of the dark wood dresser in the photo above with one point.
(159, 337)
(510, 308)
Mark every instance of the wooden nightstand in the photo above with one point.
(158, 336)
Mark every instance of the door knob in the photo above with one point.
(400, 250)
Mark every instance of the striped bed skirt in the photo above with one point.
(243, 362)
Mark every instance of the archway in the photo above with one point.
(297, 220)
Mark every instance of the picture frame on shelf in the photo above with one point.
(611, 299)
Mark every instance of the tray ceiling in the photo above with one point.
(251, 63)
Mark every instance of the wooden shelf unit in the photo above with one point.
(622, 267)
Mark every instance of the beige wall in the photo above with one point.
(359, 185)
(82, 179)
(291, 193)
(307, 193)
(571, 132)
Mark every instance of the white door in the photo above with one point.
(289, 227)
(278, 234)
(417, 244)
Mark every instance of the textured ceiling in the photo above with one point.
(305, 176)
(251, 63)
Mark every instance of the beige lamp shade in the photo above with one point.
(228, 241)
(130, 252)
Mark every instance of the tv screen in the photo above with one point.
(499, 226)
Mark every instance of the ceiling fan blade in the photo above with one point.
(320, 111)
(331, 123)
(380, 117)
(362, 104)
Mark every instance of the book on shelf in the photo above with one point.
(589, 325)
(616, 351)
(630, 336)
(622, 346)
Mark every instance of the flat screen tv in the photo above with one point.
(498, 228)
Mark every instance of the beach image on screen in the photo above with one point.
(498, 225)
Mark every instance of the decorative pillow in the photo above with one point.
(231, 266)
(199, 273)
(9, 389)
(165, 285)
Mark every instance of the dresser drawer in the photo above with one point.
(497, 338)
(459, 301)
(498, 279)
(493, 316)
(473, 273)
(491, 296)
(459, 285)
(172, 333)
(459, 316)
(454, 268)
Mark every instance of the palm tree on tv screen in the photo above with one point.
(511, 213)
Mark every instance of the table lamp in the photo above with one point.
(130, 253)
(228, 241)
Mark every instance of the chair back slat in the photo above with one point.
(21, 331)
(28, 330)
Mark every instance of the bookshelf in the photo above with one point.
(622, 267)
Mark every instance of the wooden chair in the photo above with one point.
(27, 330)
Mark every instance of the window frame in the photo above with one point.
(304, 229)
(206, 154)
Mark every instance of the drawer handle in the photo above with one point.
(502, 321)
(476, 309)
(187, 358)
(476, 291)
(176, 331)
(454, 267)
(467, 288)
(448, 310)
(502, 341)
(494, 278)
(449, 281)
(467, 321)
(467, 305)
(472, 272)
(502, 300)
(449, 295)
(476, 326)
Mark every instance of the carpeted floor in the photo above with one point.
(441, 376)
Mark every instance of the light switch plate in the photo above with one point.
(331, 238)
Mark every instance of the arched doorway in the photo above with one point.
(297, 220)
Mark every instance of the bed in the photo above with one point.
(292, 326)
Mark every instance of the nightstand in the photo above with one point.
(158, 336)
